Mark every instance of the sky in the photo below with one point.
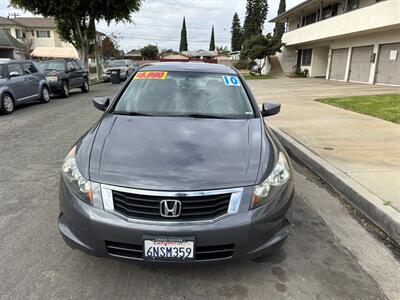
(160, 21)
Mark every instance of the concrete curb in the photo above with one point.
(384, 216)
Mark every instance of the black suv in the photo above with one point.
(64, 74)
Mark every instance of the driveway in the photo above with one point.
(36, 264)
(365, 148)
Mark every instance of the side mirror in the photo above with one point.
(101, 102)
(13, 74)
(270, 109)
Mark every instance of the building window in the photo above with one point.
(42, 33)
(306, 56)
(18, 34)
(329, 11)
(309, 19)
(8, 30)
(353, 4)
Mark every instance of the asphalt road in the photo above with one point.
(36, 264)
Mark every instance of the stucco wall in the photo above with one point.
(288, 59)
(379, 15)
(384, 37)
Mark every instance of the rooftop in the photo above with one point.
(37, 22)
(7, 41)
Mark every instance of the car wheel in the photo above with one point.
(45, 95)
(64, 89)
(6, 104)
(85, 87)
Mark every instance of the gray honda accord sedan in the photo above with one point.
(181, 167)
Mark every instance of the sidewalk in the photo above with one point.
(365, 148)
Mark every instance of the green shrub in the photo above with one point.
(243, 64)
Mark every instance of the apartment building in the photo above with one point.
(346, 40)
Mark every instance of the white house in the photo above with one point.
(347, 40)
(42, 32)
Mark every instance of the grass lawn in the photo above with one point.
(386, 107)
(252, 77)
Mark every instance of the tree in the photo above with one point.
(279, 29)
(149, 52)
(212, 40)
(165, 52)
(76, 19)
(27, 46)
(256, 14)
(261, 47)
(237, 34)
(223, 50)
(183, 46)
(109, 47)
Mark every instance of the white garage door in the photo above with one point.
(388, 68)
(360, 65)
(338, 64)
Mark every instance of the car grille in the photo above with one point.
(194, 208)
(201, 252)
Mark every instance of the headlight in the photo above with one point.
(80, 186)
(52, 78)
(266, 190)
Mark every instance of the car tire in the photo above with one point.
(64, 89)
(85, 87)
(44, 95)
(6, 104)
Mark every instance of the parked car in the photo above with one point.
(181, 167)
(65, 74)
(21, 82)
(133, 66)
(124, 67)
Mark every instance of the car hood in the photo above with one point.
(176, 153)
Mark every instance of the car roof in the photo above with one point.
(188, 67)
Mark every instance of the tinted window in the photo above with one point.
(52, 65)
(70, 65)
(29, 68)
(184, 93)
(15, 68)
(1, 71)
(76, 65)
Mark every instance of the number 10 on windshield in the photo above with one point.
(231, 80)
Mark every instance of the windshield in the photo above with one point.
(116, 63)
(185, 93)
(52, 65)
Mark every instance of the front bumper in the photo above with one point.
(247, 234)
(107, 76)
(55, 86)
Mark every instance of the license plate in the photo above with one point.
(114, 72)
(168, 249)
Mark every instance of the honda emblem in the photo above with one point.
(170, 208)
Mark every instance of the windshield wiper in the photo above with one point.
(205, 116)
(131, 113)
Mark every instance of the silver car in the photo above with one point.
(21, 82)
(180, 168)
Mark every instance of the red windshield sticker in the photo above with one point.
(151, 75)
